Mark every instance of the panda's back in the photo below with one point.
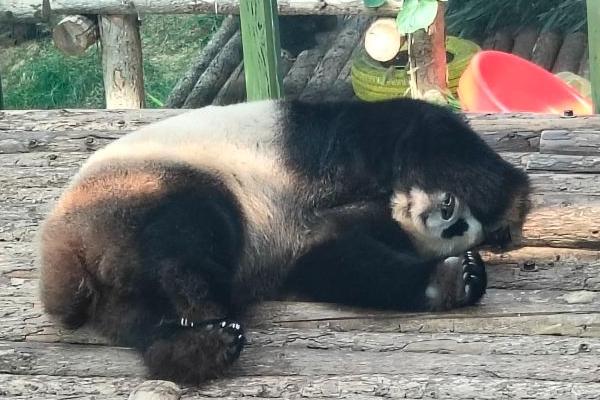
(238, 147)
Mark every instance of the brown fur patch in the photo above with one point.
(119, 184)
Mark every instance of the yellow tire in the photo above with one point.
(372, 81)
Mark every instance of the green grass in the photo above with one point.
(37, 75)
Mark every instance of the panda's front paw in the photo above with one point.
(474, 277)
(457, 282)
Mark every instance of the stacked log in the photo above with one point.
(552, 51)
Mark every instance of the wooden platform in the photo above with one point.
(537, 335)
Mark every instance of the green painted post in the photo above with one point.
(593, 16)
(260, 41)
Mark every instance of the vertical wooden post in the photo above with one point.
(122, 61)
(593, 16)
(262, 52)
(427, 57)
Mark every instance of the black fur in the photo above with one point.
(133, 266)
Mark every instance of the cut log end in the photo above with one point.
(74, 34)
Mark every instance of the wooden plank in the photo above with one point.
(563, 163)
(122, 63)
(30, 358)
(570, 142)
(520, 312)
(262, 49)
(22, 130)
(36, 387)
(35, 10)
(593, 18)
(341, 386)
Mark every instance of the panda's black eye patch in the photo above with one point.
(456, 229)
(447, 206)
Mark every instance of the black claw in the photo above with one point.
(474, 277)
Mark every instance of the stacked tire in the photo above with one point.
(373, 81)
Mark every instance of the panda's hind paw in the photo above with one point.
(230, 333)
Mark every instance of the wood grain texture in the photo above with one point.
(36, 10)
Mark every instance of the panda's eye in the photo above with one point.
(447, 206)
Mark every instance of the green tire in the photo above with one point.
(372, 81)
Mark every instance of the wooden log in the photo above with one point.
(335, 58)
(593, 18)
(17, 10)
(546, 49)
(503, 40)
(585, 143)
(342, 86)
(299, 74)
(234, 89)
(524, 42)
(216, 74)
(363, 386)
(427, 58)
(216, 43)
(74, 34)
(563, 163)
(570, 53)
(262, 49)
(122, 63)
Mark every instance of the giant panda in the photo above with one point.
(166, 236)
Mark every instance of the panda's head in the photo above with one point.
(452, 192)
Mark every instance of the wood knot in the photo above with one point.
(529, 266)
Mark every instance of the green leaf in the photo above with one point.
(374, 3)
(415, 15)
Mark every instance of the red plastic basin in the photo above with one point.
(501, 82)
